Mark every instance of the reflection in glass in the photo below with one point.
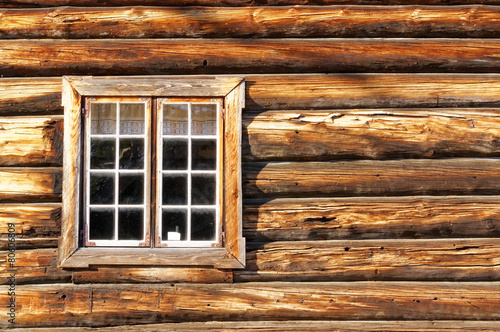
(175, 119)
(131, 189)
(204, 119)
(102, 224)
(131, 153)
(130, 224)
(175, 154)
(102, 153)
(203, 224)
(103, 118)
(102, 188)
(174, 191)
(132, 119)
(203, 189)
(173, 221)
(203, 154)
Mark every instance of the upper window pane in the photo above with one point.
(175, 119)
(103, 119)
(132, 119)
(204, 119)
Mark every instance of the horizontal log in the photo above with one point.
(203, 56)
(33, 141)
(371, 218)
(256, 22)
(372, 134)
(34, 225)
(30, 184)
(278, 326)
(43, 95)
(456, 176)
(439, 260)
(101, 305)
(231, 3)
(32, 266)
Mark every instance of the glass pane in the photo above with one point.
(203, 189)
(173, 226)
(130, 224)
(202, 225)
(132, 119)
(175, 119)
(102, 224)
(174, 189)
(175, 153)
(102, 153)
(204, 154)
(131, 153)
(131, 189)
(204, 119)
(103, 118)
(102, 188)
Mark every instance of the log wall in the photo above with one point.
(371, 145)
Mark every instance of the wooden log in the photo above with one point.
(30, 184)
(371, 218)
(456, 176)
(372, 134)
(203, 56)
(102, 305)
(32, 266)
(295, 326)
(34, 225)
(33, 141)
(425, 260)
(256, 22)
(23, 96)
(152, 275)
(231, 3)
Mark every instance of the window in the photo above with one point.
(152, 172)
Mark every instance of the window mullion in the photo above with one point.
(189, 184)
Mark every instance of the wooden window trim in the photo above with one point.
(231, 89)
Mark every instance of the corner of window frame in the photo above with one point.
(231, 89)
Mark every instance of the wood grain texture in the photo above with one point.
(34, 225)
(256, 22)
(296, 326)
(454, 176)
(33, 266)
(152, 275)
(101, 305)
(204, 56)
(371, 134)
(425, 260)
(232, 3)
(371, 218)
(30, 184)
(33, 141)
(29, 96)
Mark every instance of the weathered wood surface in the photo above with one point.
(152, 275)
(332, 91)
(425, 260)
(33, 266)
(232, 3)
(293, 326)
(30, 184)
(31, 141)
(371, 134)
(257, 22)
(204, 56)
(463, 176)
(34, 225)
(371, 218)
(101, 305)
